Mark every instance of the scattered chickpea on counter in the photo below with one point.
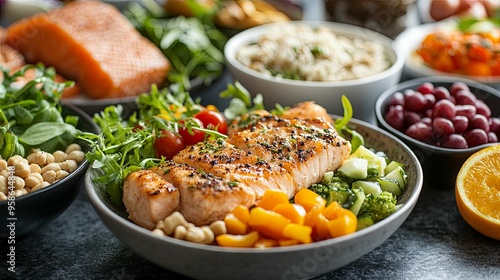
(39, 169)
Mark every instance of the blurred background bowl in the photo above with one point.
(35, 210)
(362, 92)
(440, 165)
(291, 262)
(409, 41)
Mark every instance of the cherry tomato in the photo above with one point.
(168, 144)
(212, 120)
(195, 136)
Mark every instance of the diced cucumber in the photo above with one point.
(360, 198)
(374, 161)
(328, 176)
(364, 221)
(368, 187)
(399, 175)
(355, 168)
(392, 165)
(390, 185)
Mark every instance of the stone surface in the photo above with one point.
(434, 243)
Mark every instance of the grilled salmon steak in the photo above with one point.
(263, 152)
(95, 45)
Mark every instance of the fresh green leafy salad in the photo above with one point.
(30, 114)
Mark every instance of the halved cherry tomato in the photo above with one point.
(195, 136)
(168, 144)
(212, 120)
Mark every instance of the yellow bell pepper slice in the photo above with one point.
(308, 199)
(271, 198)
(242, 213)
(233, 240)
(345, 222)
(295, 212)
(267, 222)
(234, 225)
(298, 232)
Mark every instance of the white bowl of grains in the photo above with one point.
(291, 62)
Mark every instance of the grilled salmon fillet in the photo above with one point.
(149, 198)
(305, 148)
(204, 197)
(222, 159)
(93, 44)
(263, 152)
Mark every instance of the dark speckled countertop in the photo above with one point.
(433, 243)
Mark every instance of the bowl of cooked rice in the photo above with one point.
(291, 62)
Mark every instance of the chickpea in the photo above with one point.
(18, 183)
(22, 169)
(73, 147)
(158, 232)
(218, 227)
(195, 234)
(16, 159)
(77, 156)
(209, 235)
(41, 158)
(3, 164)
(5, 173)
(33, 179)
(172, 221)
(3, 197)
(51, 166)
(60, 156)
(68, 165)
(40, 186)
(3, 185)
(159, 224)
(20, 192)
(180, 232)
(49, 176)
(61, 174)
(35, 168)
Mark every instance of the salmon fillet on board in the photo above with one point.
(92, 43)
(305, 148)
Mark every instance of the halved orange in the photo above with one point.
(477, 191)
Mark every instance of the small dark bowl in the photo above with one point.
(35, 210)
(440, 165)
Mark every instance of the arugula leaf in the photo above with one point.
(341, 125)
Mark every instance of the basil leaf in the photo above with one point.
(42, 132)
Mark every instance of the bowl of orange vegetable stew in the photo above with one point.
(453, 48)
(288, 261)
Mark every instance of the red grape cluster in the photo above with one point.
(446, 117)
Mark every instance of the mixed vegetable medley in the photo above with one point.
(363, 191)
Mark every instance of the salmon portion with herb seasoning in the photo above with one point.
(204, 197)
(305, 148)
(93, 44)
(148, 198)
(222, 159)
(263, 151)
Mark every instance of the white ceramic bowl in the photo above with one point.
(292, 262)
(408, 42)
(362, 93)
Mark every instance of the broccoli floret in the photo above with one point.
(378, 207)
(364, 221)
(335, 189)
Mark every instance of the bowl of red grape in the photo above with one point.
(443, 119)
